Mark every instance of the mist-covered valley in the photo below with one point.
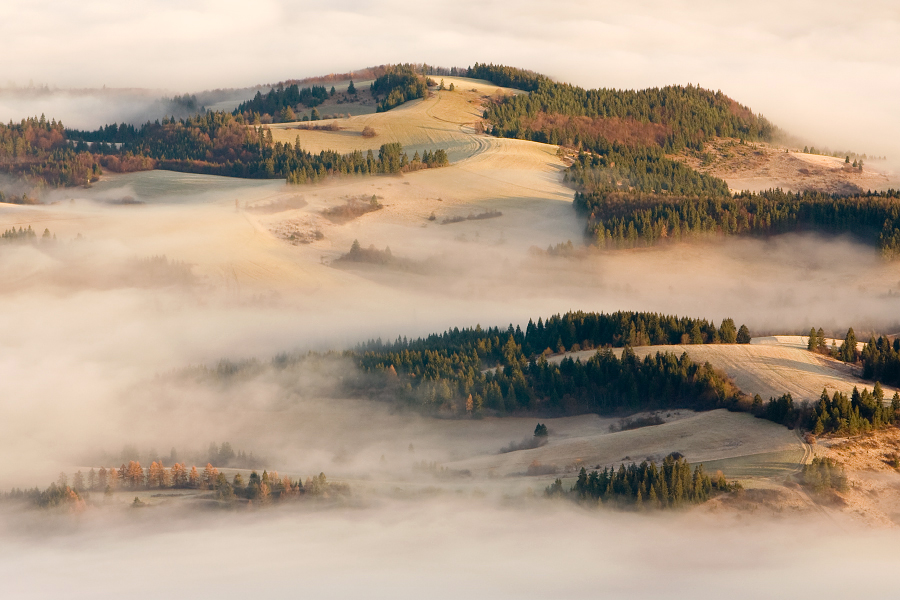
(428, 339)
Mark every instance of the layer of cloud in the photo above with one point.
(821, 69)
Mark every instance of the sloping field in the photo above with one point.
(445, 120)
(769, 366)
(700, 437)
(759, 166)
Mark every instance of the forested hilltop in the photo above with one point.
(632, 194)
(475, 371)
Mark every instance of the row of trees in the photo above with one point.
(218, 143)
(627, 220)
(260, 488)
(669, 485)
(24, 235)
(571, 331)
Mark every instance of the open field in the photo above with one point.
(261, 253)
(700, 437)
(446, 119)
(759, 166)
(769, 366)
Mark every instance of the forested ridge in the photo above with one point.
(477, 371)
(688, 115)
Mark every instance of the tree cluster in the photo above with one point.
(277, 101)
(881, 360)
(846, 352)
(38, 150)
(648, 485)
(399, 84)
(836, 414)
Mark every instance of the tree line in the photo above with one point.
(670, 485)
(282, 97)
(219, 143)
(627, 219)
(571, 331)
(473, 371)
(263, 489)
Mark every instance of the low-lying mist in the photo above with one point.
(93, 325)
(440, 547)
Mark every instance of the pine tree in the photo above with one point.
(813, 342)
(351, 89)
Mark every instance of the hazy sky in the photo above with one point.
(826, 69)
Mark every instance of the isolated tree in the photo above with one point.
(452, 87)
(820, 339)
(743, 335)
(540, 430)
(813, 342)
(331, 93)
(351, 89)
(848, 348)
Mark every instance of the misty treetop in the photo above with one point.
(262, 489)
